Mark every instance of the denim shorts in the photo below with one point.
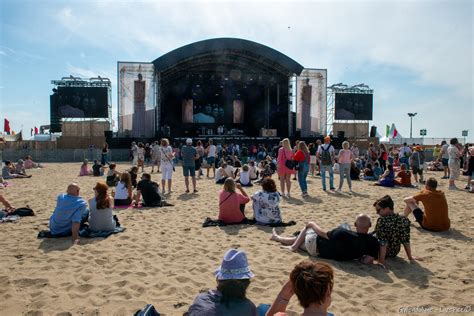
(445, 162)
(189, 171)
(210, 160)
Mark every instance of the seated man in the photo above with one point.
(7, 173)
(392, 230)
(71, 210)
(97, 169)
(338, 244)
(403, 177)
(150, 192)
(223, 172)
(435, 218)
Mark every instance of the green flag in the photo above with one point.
(387, 131)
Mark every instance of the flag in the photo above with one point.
(387, 131)
(6, 126)
(31, 132)
(36, 130)
(393, 131)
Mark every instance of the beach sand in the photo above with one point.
(166, 258)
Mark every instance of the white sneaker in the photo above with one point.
(338, 190)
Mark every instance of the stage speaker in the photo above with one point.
(340, 134)
(373, 131)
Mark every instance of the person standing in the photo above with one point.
(302, 156)
(211, 151)
(454, 162)
(325, 154)
(105, 154)
(404, 154)
(383, 156)
(417, 160)
(156, 156)
(198, 162)
(167, 167)
(345, 159)
(189, 155)
(134, 150)
(312, 158)
(444, 159)
(372, 154)
(141, 156)
(285, 153)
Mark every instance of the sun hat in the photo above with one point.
(189, 141)
(234, 266)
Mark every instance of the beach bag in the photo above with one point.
(326, 156)
(23, 211)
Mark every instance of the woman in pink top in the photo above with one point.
(232, 203)
(285, 153)
(345, 159)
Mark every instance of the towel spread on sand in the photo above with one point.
(85, 232)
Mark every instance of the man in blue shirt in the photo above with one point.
(70, 211)
(189, 154)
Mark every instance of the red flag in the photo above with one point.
(395, 132)
(36, 130)
(6, 126)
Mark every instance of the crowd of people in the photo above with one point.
(238, 166)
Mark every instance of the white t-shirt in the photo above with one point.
(165, 153)
(141, 153)
(121, 191)
(244, 177)
(453, 152)
(212, 151)
(331, 149)
(444, 151)
(404, 150)
(252, 172)
(156, 152)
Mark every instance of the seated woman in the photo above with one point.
(312, 282)
(123, 190)
(113, 176)
(85, 169)
(355, 171)
(233, 279)
(20, 167)
(368, 173)
(244, 177)
(133, 176)
(101, 216)
(404, 177)
(30, 164)
(377, 170)
(7, 172)
(232, 203)
(266, 203)
(388, 178)
(253, 173)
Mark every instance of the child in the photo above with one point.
(244, 178)
(377, 171)
(84, 169)
(113, 176)
(405, 177)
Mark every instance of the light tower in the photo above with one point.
(411, 115)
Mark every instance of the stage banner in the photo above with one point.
(136, 99)
(311, 102)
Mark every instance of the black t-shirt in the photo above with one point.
(344, 244)
(133, 178)
(149, 191)
(96, 170)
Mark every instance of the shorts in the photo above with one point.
(167, 172)
(312, 159)
(310, 242)
(210, 161)
(189, 171)
(444, 161)
(417, 170)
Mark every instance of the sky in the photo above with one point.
(416, 55)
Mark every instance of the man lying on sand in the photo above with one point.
(338, 244)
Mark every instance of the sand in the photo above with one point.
(165, 257)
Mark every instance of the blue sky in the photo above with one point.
(416, 55)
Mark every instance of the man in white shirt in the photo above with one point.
(156, 156)
(211, 152)
(223, 172)
(444, 159)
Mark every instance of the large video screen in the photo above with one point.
(353, 106)
(81, 102)
(192, 112)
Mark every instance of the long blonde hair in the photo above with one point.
(286, 143)
(302, 146)
(229, 185)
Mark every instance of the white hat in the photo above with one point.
(189, 141)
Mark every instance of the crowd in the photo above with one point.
(236, 167)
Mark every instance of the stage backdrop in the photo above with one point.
(311, 102)
(136, 99)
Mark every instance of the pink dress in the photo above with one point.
(283, 155)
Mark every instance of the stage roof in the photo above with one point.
(225, 54)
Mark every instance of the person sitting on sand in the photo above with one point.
(113, 176)
(223, 172)
(101, 217)
(150, 192)
(71, 210)
(266, 204)
(84, 171)
(8, 174)
(435, 217)
(338, 244)
(253, 173)
(404, 176)
(123, 190)
(244, 177)
(355, 171)
(368, 173)
(20, 167)
(392, 230)
(233, 278)
(232, 203)
(387, 179)
(377, 171)
(97, 169)
(312, 282)
(30, 164)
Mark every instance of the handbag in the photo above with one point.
(289, 163)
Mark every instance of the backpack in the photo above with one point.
(326, 158)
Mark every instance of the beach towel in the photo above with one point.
(148, 310)
(85, 232)
(11, 218)
(209, 222)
